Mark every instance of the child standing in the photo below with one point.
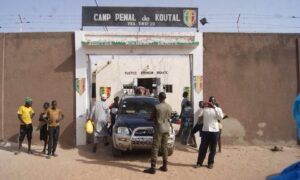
(43, 126)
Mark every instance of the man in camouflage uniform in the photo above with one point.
(160, 116)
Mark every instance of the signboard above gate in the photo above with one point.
(140, 17)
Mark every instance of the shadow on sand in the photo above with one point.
(128, 160)
(13, 147)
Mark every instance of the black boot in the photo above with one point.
(152, 169)
(164, 166)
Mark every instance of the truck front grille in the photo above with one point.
(144, 132)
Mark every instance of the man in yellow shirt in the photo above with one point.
(25, 115)
(55, 116)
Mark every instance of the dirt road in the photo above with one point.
(234, 163)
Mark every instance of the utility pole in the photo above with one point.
(21, 23)
(96, 2)
(237, 22)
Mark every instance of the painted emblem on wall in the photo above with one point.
(106, 91)
(198, 83)
(189, 17)
(80, 85)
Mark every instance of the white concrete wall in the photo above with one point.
(113, 74)
(82, 60)
(82, 101)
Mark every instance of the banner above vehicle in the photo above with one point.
(140, 17)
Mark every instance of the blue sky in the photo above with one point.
(65, 15)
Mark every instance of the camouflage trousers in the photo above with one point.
(160, 144)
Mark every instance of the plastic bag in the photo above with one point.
(89, 128)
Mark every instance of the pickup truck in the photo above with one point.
(133, 129)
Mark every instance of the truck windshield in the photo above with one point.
(138, 106)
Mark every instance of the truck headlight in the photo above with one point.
(123, 130)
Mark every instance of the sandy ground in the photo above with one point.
(234, 163)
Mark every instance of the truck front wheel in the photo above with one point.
(116, 152)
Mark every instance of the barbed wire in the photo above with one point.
(62, 21)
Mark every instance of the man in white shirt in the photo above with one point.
(210, 132)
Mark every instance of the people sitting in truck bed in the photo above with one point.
(141, 91)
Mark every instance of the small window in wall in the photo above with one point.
(128, 89)
(168, 88)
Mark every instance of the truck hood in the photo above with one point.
(133, 121)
